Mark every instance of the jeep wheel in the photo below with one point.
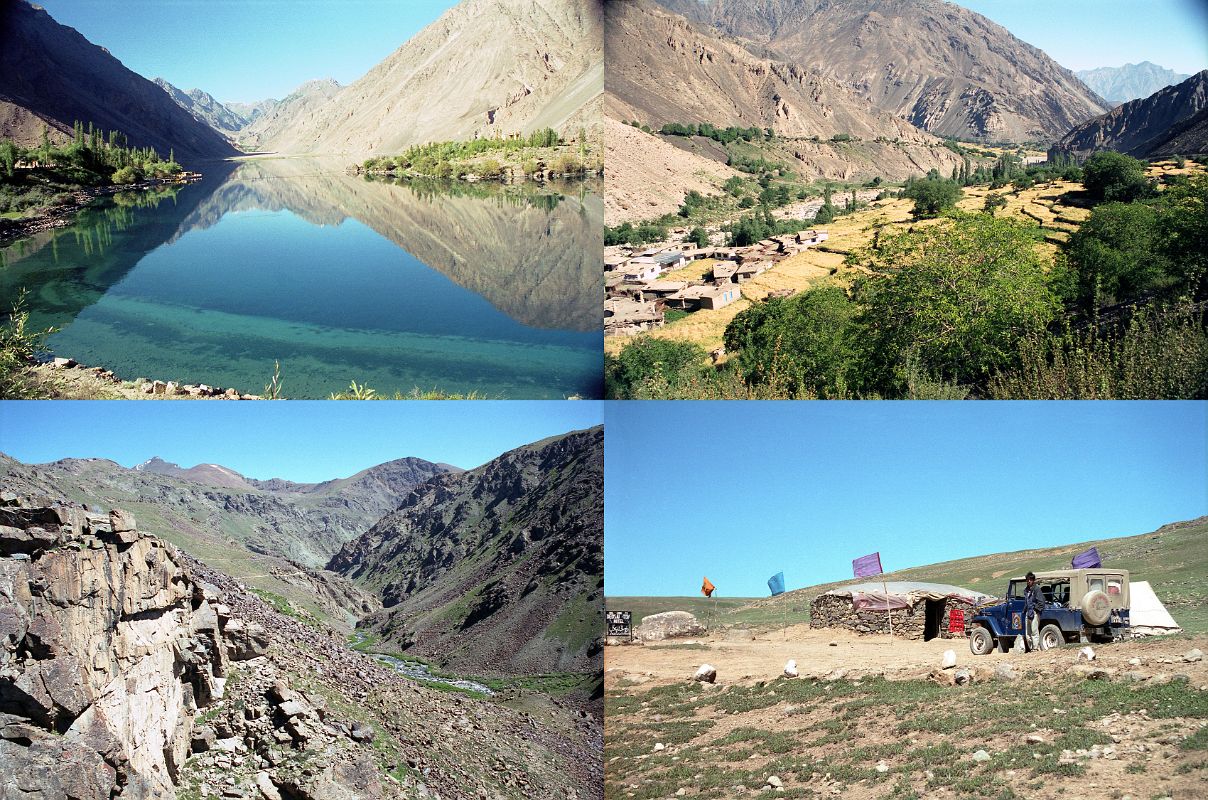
(980, 641)
(1050, 637)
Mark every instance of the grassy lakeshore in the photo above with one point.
(542, 155)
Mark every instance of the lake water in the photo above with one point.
(459, 288)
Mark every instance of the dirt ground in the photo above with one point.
(821, 651)
(875, 718)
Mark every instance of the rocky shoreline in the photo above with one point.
(73, 371)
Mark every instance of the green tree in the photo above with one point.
(931, 196)
(1182, 234)
(1114, 177)
(994, 201)
(8, 156)
(803, 344)
(1115, 253)
(699, 237)
(958, 295)
(647, 359)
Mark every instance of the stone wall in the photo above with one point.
(834, 611)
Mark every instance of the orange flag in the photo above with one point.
(707, 588)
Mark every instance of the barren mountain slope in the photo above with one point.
(941, 67)
(1142, 126)
(303, 106)
(662, 68)
(499, 569)
(51, 76)
(646, 177)
(485, 68)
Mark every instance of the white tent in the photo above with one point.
(1146, 615)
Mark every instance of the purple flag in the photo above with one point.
(1088, 560)
(867, 565)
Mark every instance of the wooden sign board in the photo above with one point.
(620, 623)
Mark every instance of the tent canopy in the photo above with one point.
(1146, 613)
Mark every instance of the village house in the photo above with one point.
(642, 269)
(623, 317)
(724, 272)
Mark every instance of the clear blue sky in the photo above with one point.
(1084, 34)
(296, 440)
(740, 491)
(248, 50)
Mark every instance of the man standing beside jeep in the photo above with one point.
(1033, 601)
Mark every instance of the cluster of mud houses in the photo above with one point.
(636, 296)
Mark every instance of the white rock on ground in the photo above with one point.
(1087, 653)
(1193, 655)
(981, 755)
(659, 746)
(706, 674)
(949, 659)
(774, 781)
(790, 669)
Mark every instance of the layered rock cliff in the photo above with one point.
(107, 648)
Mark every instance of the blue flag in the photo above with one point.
(1087, 560)
(776, 583)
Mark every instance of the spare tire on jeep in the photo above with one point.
(1096, 607)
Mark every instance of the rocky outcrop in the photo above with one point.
(129, 669)
(939, 66)
(107, 648)
(1147, 127)
(51, 76)
(498, 569)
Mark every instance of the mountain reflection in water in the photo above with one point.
(462, 288)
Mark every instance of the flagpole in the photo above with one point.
(785, 629)
(888, 609)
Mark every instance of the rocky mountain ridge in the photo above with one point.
(222, 514)
(51, 76)
(1129, 82)
(1152, 126)
(500, 567)
(204, 108)
(939, 66)
(128, 668)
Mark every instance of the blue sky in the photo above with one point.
(248, 50)
(1084, 34)
(739, 492)
(297, 440)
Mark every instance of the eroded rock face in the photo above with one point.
(106, 649)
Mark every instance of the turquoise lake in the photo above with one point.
(491, 290)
